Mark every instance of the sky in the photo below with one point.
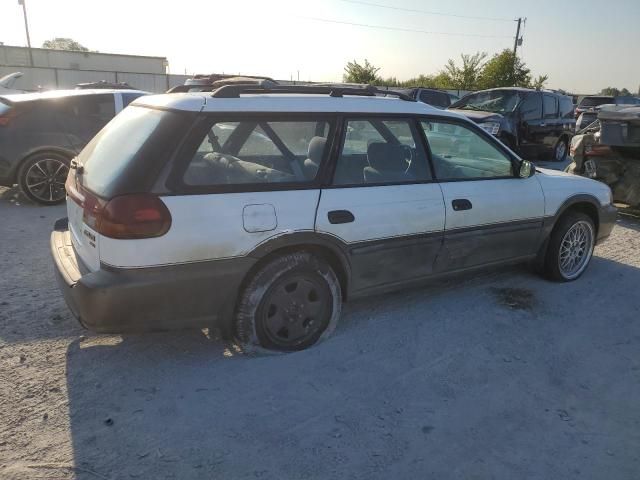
(582, 46)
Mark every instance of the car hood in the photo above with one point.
(479, 116)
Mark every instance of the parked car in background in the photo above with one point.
(435, 98)
(590, 102)
(41, 132)
(535, 124)
(258, 210)
(7, 83)
(589, 115)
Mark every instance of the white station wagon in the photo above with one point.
(260, 209)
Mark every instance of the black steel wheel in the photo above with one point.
(42, 177)
(290, 304)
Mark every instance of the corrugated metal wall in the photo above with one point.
(54, 78)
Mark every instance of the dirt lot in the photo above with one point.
(501, 376)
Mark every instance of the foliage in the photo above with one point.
(504, 69)
(61, 43)
(466, 76)
(614, 92)
(474, 72)
(356, 73)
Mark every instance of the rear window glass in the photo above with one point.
(110, 152)
(258, 152)
(437, 99)
(595, 101)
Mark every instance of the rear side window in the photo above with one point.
(378, 151)
(258, 152)
(437, 99)
(531, 107)
(550, 106)
(566, 107)
(4, 108)
(127, 98)
(109, 158)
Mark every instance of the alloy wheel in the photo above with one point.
(576, 249)
(45, 180)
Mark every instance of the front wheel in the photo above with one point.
(42, 177)
(290, 304)
(570, 247)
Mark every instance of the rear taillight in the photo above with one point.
(127, 216)
(597, 150)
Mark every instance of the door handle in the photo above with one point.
(461, 204)
(340, 216)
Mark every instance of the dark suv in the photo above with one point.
(41, 132)
(535, 124)
(435, 98)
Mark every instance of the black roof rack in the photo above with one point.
(103, 84)
(210, 83)
(234, 91)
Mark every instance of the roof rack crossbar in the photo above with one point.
(234, 91)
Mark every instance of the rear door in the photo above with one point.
(551, 126)
(382, 203)
(491, 215)
(531, 128)
(83, 116)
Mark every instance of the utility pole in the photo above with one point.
(518, 40)
(26, 27)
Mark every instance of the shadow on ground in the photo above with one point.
(447, 383)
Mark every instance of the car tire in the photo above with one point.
(290, 304)
(561, 150)
(570, 247)
(41, 177)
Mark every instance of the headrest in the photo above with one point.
(387, 157)
(316, 149)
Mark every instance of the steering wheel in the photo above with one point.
(409, 157)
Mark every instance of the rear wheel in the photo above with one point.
(42, 177)
(570, 247)
(290, 304)
(560, 151)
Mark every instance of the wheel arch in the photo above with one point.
(37, 151)
(327, 247)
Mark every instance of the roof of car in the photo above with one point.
(270, 102)
(49, 94)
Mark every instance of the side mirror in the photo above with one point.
(526, 169)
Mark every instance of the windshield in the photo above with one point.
(497, 101)
(595, 101)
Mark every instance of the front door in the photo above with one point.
(491, 215)
(382, 204)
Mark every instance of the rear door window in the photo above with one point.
(550, 106)
(258, 152)
(531, 107)
(566, 107)
(127, 98)
(436, 99)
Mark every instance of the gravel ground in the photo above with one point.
(500, 376)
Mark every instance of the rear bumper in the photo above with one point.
(607, 219)
(116, 300)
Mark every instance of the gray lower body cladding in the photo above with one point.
(113, 300)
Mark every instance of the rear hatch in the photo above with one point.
(123, 159)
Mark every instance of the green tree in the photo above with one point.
(466, 76)
(540, 81)
(610, 92)
(504, 69)
(60, 43)
(625, 93)
(356, 73)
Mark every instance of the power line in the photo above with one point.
(427, 12)
(400, 29)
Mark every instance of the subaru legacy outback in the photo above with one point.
(260, 209)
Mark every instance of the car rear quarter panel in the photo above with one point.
(216, 226)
